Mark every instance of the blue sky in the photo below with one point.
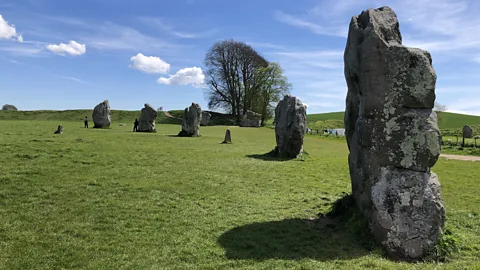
(74, 54)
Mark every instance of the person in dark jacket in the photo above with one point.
(135, 125)
(85, 121)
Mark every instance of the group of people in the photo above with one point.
(135, 124)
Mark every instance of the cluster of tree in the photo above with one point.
(8, 107)
(240, 79)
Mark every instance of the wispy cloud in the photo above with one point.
(319, 29)
(73, 79)
(161, 24)
(266, 45)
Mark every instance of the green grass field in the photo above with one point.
(446, 120)
(114, 199)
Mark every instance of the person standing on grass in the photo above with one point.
(135, 125)
(85, 121)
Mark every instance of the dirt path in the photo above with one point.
(457, 157)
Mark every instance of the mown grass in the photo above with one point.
(114, 199)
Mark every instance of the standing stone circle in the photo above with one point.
(146, 122)
(205, 118)
(290, 126)
(393, 136)
(101, 115)
(467, 132)
(251, 119)
(191, 121)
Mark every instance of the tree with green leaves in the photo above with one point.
(231, 70)
(272, 86)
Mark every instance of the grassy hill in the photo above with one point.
(446, 120)
(315, 121)
(117, 116)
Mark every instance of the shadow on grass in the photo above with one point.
(341, 234)
(270, 156)
(273, 156)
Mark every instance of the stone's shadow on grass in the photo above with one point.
(340, 234)
(273, 156)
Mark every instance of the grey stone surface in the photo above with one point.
(191, 121)
(101, 115)
(251, 119)
(290, 123)
(205, 118)
(146, 122)
(467, 132)
(392, 135)
(228, 137)
(59, 130)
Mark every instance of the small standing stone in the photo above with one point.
(59, 130)
(146, 123)
(228, 137)
(191, 121)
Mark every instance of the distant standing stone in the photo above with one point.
(251, 119)
(191, 121)
(467, 132)
(290, 123)
(59, 130)
(228, 137)
(101, 115)
(205, 118)
(146, 123)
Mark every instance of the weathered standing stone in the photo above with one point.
(59, 130)
(146, 122)
(228, 137)
(392, 135)
(191, 121)
(101, 115)
(251, 119)
(205, 118)
(467, 132)
(290, 123)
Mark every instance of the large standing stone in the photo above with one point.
(251, 119)
(146, 123)
(191, 121)
(392, 135)
(205, 118)
(101, 115)
(467, 132)
(290, 125)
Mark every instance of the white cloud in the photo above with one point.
(8, 31)
(149, 64)
(72, 48)
(193, 76)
